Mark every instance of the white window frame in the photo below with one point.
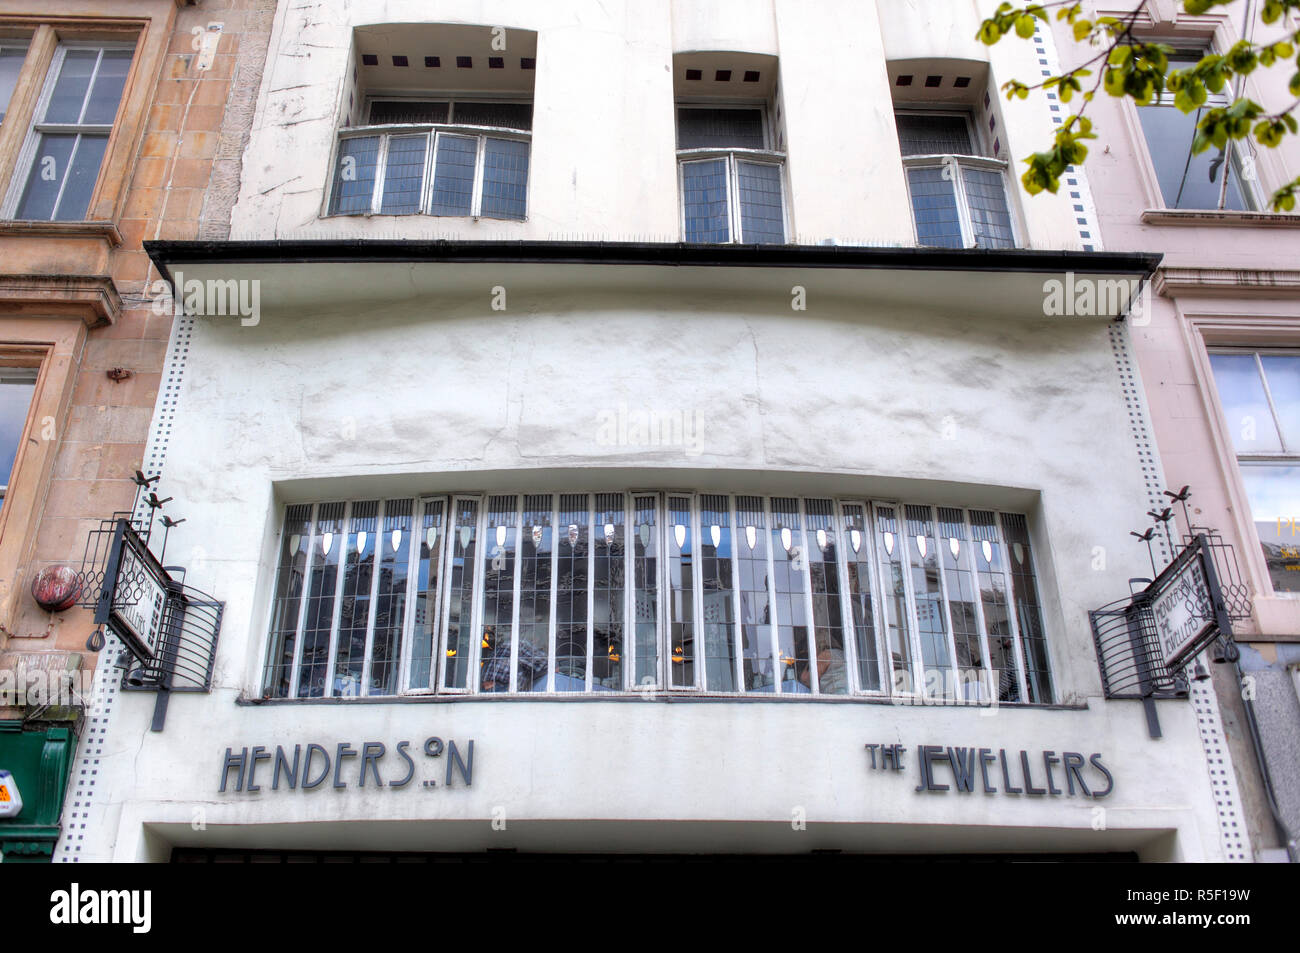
(954, 165)
(440, 602)
(1165, 100)
(432, 131)
(733, 156)
(36, 128)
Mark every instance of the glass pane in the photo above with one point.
(990, 218)
(499, 594)
(789, 572)
(704, 197)
(354, 612)
(607, 592)
(857, 555)
(537, 541)
(505, 178)
(1274, 494)
(453, 175)
(645, 568)
(931, 625)
(49, 167)
(571, 594)
(427, 587)
(394, 546)
(69, 93)
(403, 175)
(934, 208)
(500, 115)
(106, 93)
(81, 182)
(955, 551)
(933, 135)
(720, 129)
(681, 594)
(895, 607)
(759, 665)
(1029, 615)
(990, 570)
(1245, 408)
(11, 64)
(1185, 180)
(828, 615)
(719, 618)
(15, 403)
(391, 111)
(460, 594)
(326, 543)
(294, 542)
(354, 179)
(762, 219)
(1282, 372)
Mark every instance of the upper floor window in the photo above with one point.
(1210, 180)
(1260, 395)
(60, 160)
(732, 180)
(436, 157)
(958, 193)
(17, 385)
(611, 592)
(12, 55)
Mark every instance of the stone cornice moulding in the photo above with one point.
(29, 229)
(1226, 218)
(93, 298)
(1234, 282)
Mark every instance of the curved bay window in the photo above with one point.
(731, 179)
(435, 157)
(710, 593)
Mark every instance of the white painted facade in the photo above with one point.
(937, 386)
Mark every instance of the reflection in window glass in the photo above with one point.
(955, 552)
(390, 597)
(758, 649)
(789, 572)
(460, 594)
(537, 548)
(857, 553)
(828, 618)
(427, 588)
(294, 543)
(1185, 178)
(608, 587)
(1282, 372)
(1029, 614)
(11, 64)
(718, 620)
(354, 611)
(327, 545)
(1245, 407)
(931, 626)
(681, 594)
(1274, 495)
(354, 179)
(990, 569)
(571, 594)
(895, 601)
(645, 571)
(499, 547)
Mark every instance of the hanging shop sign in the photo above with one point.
(134, 599)
(954, 768)
(432, 763)
(1185, 600)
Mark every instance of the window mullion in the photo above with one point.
(551, 637)
(963, 204)
(630, 531)
(474, 678)
(90, 86)
(591, 591)
(697, 593)
(381, 167)
(909, 599)
(811, 628)
(518, 560)
(376, 570)
(733, 193)
(306, 597)
(336, 619)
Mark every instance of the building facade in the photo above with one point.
(641, 427)
(1218, 357)
(114, 129)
